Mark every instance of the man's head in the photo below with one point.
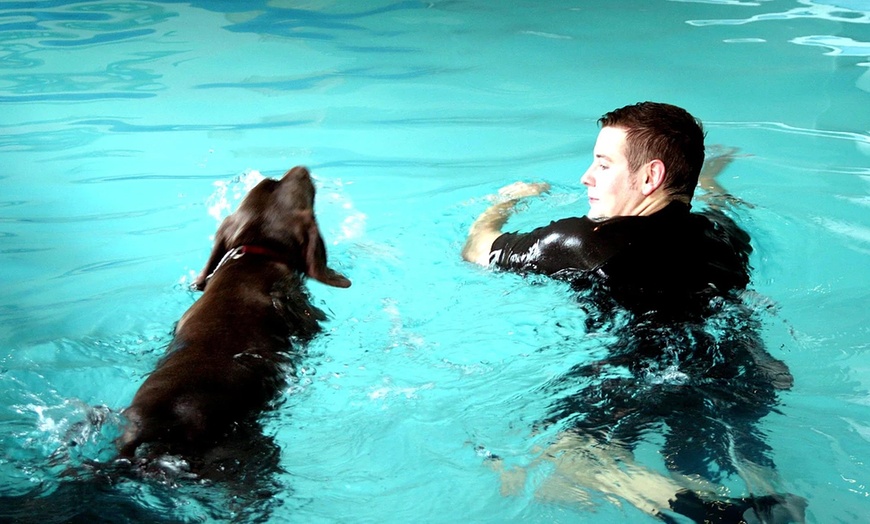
(646, 154)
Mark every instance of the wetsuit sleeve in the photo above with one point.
(516, 251)
(563, 245)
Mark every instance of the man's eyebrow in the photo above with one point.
(603, 157)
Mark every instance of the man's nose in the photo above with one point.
(587, 179)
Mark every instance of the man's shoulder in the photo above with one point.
(569, 223)
(563, 227)
(692, 250)
(678, 223)
(565, 244)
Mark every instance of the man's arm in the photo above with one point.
(488, 225)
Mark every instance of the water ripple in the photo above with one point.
(848, 230)
(27, 39)
(73, 97)
(839, 46)
(85, 218)
(785, 128)
(303, 23)
(107, 264)
(110, 22)
(840, 11)
(564, 152)
(119, 126)
(718, 2)
(45, 140)
(98, 39)
(312, 81)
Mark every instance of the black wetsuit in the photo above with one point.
(688, 361)
(663, 263)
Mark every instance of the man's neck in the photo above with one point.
(654, 205)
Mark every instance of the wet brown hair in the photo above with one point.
(665, 132)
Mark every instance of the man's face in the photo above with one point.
(612, 188)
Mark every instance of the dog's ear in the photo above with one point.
(315, 256)
(217, 253)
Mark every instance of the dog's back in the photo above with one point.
(232, 348)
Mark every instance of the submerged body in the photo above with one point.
(687, 359)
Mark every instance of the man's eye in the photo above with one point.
(603, 166)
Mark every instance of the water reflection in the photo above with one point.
(273, 18)
(844, 11)
(29, 39)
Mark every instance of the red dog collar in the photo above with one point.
(237, 252)
(257, 250)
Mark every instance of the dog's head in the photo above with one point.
(277, 215)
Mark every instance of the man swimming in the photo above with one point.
(687, 361)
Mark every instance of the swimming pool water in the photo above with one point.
(126, 126)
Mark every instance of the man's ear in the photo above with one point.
(653, 177)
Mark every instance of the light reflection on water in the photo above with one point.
(128, 127)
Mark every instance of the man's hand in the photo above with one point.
(519, 190)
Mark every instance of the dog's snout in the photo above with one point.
(297, 173)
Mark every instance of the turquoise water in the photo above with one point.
(129, 128)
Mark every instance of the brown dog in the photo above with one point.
(229, 357)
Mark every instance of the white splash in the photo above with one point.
(389, 389)
(354, 223)
(228, 194)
